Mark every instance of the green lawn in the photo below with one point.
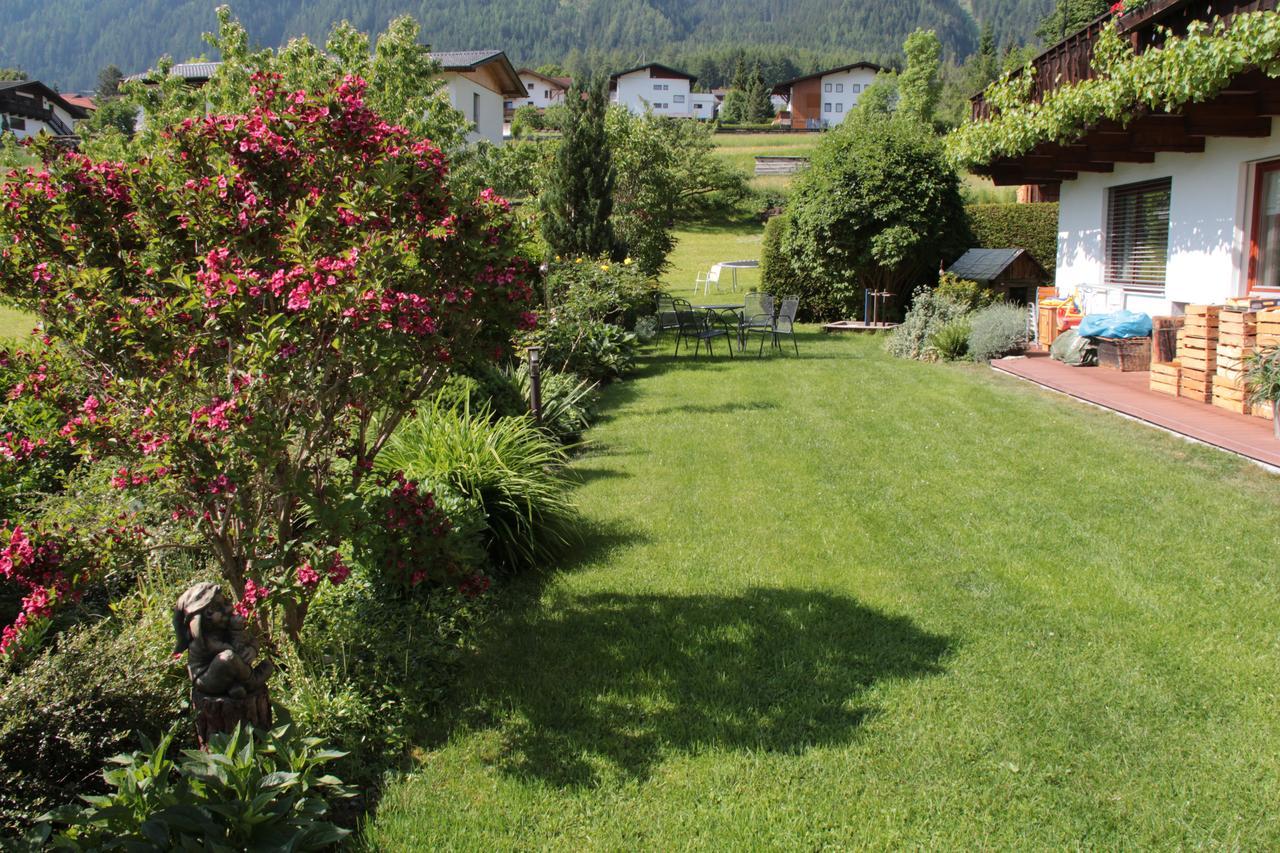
(15, 324)
(700, 246)
(845, 601)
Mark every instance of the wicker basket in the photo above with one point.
(1124, 354)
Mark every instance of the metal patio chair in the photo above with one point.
(757, 313)
(784, 324)
(697, 325)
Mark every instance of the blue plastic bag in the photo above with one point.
(1121, 324)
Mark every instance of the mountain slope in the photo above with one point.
(68, 41)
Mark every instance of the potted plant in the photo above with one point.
(1263, 379)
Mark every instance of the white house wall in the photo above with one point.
(1209, 217)
(846, 89)
(485, 111)
(541, 93)
(636, 92)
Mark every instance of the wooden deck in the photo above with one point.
(1128, 394)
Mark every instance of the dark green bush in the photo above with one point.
(598, 351)
(971, 294)
(486, 386)
(781, 278)
(84, 701)
(1033, 227)
(597, 290)
(879, 209)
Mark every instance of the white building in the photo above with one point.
(665, 91)
(29, 108)
(705, 105)
(825, 98)
(479, 82)
(544, 91)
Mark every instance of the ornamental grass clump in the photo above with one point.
(1263, 379)
(258, 306)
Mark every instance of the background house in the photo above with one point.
(1169, 209)
(825, 98)
(544, 91)
(29, 107)
(665, 91)
(479, 82)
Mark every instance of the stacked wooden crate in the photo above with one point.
(1198, 352)
(1237, 338)
(1164, 377)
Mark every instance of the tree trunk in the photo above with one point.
(221, 713)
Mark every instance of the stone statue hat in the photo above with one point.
(191, 602)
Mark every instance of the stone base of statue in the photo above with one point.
(223, 713)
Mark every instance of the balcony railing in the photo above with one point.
(1071, 60)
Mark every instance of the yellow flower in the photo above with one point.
(557, 258)
(577, 260)
(604, 267)
(627, 262)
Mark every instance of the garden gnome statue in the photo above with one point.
(226, 686)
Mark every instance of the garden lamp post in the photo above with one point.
(535, 384)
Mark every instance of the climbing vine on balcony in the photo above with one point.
(1187, 70)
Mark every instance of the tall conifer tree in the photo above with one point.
(578, 199)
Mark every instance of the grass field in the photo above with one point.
(15, 324)
(844, 601)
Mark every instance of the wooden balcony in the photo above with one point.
(1071, 60)
(1244, 109)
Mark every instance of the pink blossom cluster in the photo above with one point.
(36, 567)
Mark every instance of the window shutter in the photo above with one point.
(1138, 235)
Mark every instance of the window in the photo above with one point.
(839, 107)
(1137, 238)
(855, 88)
(679, 99)
(839, 87)
(1264, 241)
(16, 123)
(826, 87)
(475, 107)
(826, 108)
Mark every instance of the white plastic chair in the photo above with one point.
(705, 280)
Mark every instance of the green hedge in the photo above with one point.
(1033, 227)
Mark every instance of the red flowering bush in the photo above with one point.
(258, 306)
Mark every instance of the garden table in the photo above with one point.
(736, 308)
(734, 266)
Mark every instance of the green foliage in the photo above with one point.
(404, 83)
(577, 196)
(667, 172)
(879, 209)
(1033, 227)
(82, 701)
(526, 120)
(1189, 69)
(951, 342)
(375, 664)
(929, 314)
(597, 290)
(486, 386)
(595, 350)
(780, 276)
(1068, 17)
(514, 170)
(249, 790)
(918, 84)
(567, 402)
(1263, 378)
(997, 330)
(970, 294)
(510, 468)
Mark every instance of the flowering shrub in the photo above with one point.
(259, 305)
(598, 290)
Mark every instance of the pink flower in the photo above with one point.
(308, 577)
(338, 571)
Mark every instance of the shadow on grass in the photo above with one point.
(608, 685)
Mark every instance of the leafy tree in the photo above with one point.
(879, 209)
(404, 83)
(13, 74)
(109, 80)
(667, 171)
(918, 85)
(734, 108)
(577, 200)
(259, 304)
(1068, 17)
(526, 120)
